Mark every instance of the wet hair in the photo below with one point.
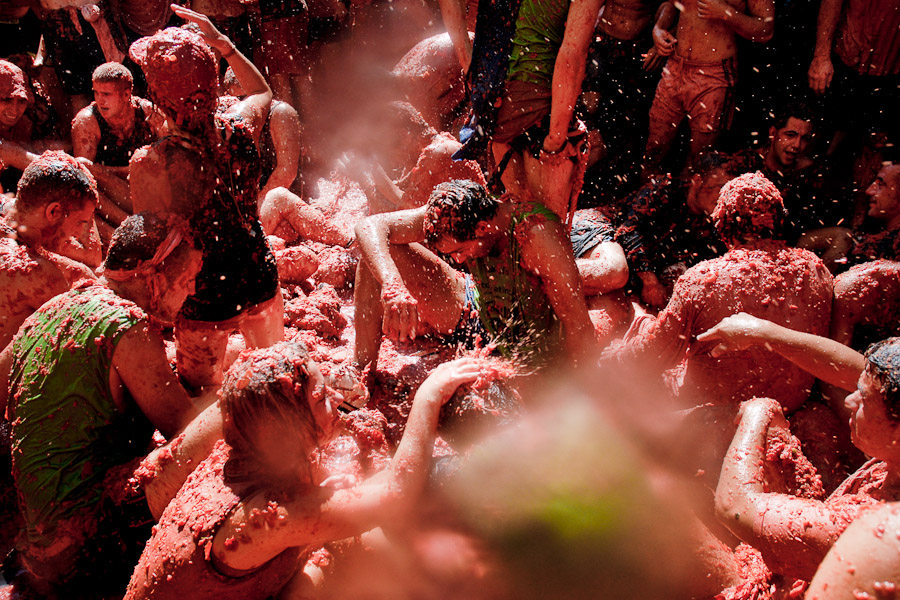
(883, 363)
(455, 208)
(798, 110)
(55, 177)
(113, 72)
(267, 384)
(709, 161)
(473, 413)
(749, 206)
(138, 238)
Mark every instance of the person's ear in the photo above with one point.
(772, 131)
(54, 213)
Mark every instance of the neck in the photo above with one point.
(124, 121)
(27, 233)
(894, 223)
(133, 290)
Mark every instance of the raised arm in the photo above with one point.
(793, 534)
(568, 71)
(453, 13)
(255, 106)
(821, 69)
(757, 26)
(826, 359)
(314, 519)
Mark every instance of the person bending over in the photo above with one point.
(84, 384)
(39, 233)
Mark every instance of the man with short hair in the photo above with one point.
(106, 133)
(55, 202)
(85, 382)
(405, 290)
(786, 163)
(758, 275)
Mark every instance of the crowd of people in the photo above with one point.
(499, 299)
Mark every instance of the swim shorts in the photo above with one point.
(701, 91)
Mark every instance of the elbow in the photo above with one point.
(768, 31)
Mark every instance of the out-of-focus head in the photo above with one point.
(181, 73)
(884, 193)
(277, 409)
(161, 252)
(15, 93)
(749, 207)
(883, 363)
(479, 408)
(710, 171)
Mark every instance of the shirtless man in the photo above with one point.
(757, 275)
(404, 290)
(56, 201)
(107, 132)
(699, 76)
(618, 86)
(87, 381)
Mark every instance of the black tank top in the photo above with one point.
(113, 152)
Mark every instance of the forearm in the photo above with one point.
(826, 359)
(829, 16)
(665, 16)
(166, 468)
(411, 462)
(453, 13)
(372, 238)
(246, 73)
(14, 155)
(755, 29)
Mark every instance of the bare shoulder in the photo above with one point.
(864, 562)
(28, 278)
(85, 119)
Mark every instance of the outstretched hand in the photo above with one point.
(212, 36)
(443, 382)
(732, 334)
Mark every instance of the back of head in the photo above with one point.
(709, 161)
(146, 243)
(181, 72)
(456, 207)
(480, 408)
(268, 386)
(55, 177)
(115, 73)
(883, 363)
(749, 206)
(797, 109)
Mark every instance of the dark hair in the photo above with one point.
(139, 237)
(455, 208)
(709, 161)
(267, 384)
(748, 206)
(473, 412)
(883, 363)
(797, 109)
(55, 177)
(113, 72)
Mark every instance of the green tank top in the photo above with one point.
(66, 429)
(511, 303)
(536, 42)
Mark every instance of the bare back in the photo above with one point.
(788, 286)
(27, 280)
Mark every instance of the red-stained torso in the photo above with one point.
(705, 40)
(177, 562)
(788, 286)
(27, 280)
